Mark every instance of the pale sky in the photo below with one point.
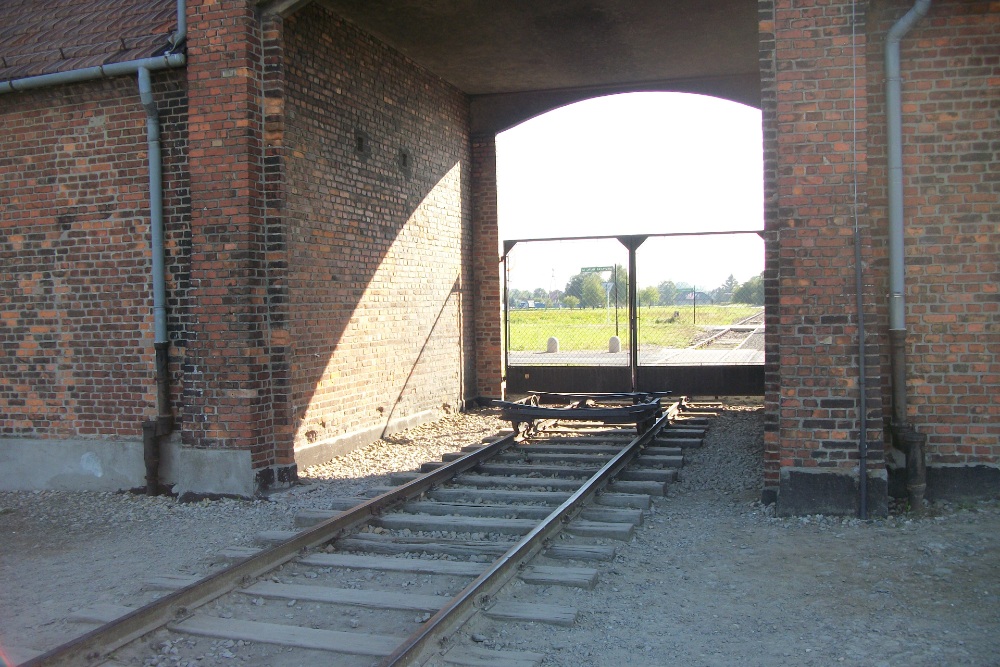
(638, 163)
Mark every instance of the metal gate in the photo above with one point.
(649, 312)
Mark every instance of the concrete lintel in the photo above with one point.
(835, 492)
(494, 113)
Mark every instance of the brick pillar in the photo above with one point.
(227, 370)
(486, 269)
(816, 116)
(772, 322)
(276, 244)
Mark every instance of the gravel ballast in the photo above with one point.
(711, 578)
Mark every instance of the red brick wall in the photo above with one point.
(951, 152)
(377, 232)
(823, 102)
(276, 249)
(486, 267)
(816, 122)
(227, 371)
(772, 369)
(76, 334)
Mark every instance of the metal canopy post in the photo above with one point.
(632, 243)
(505, 308)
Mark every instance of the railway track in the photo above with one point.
(389, 580)
(739, 334)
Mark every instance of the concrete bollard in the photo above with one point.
(553, 345)
(615, 344)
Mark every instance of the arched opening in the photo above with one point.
(632, 163)
(680, 175)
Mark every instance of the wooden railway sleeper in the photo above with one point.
(184, 603)
(437, 628)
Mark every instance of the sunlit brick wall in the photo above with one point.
(76, 335)
(377, 234)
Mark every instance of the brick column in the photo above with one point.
(486, 269)
(772, 375)
(227, 371)
(276, 253)
(816, 107)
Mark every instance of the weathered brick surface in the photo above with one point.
(772, 369)
(951, 168)
(814, 75)
(825, 164)
(276, 249)
(76, 353)
(378, 232)
(332, 240)
(227, 373)
(486, 268)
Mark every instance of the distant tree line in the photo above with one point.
(588, 290)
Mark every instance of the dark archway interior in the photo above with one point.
(517, 60)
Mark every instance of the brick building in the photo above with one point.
(328, 266)
(827, 187)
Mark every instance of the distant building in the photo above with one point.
(687, 297)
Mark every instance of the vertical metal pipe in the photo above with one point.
(155, 205)
(897, 265)
(894, 122)
(911, 442)
(506, 313)
(153, 431)
(615, 283)
(633, 322)
(178, 37)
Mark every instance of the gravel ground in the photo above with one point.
(712, 578)
(57, 548)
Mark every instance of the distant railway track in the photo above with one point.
(736, 335)
(392, 578)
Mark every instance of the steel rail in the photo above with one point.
(96, 644)
(479, 593)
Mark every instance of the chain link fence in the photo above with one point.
(699, 301)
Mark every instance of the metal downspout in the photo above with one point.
(163, 425)
(911, 442)
(152, 431)
(155, 204)
(180, 35)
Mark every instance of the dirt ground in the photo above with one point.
(711, 578)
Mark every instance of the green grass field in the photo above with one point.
(591, 328)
